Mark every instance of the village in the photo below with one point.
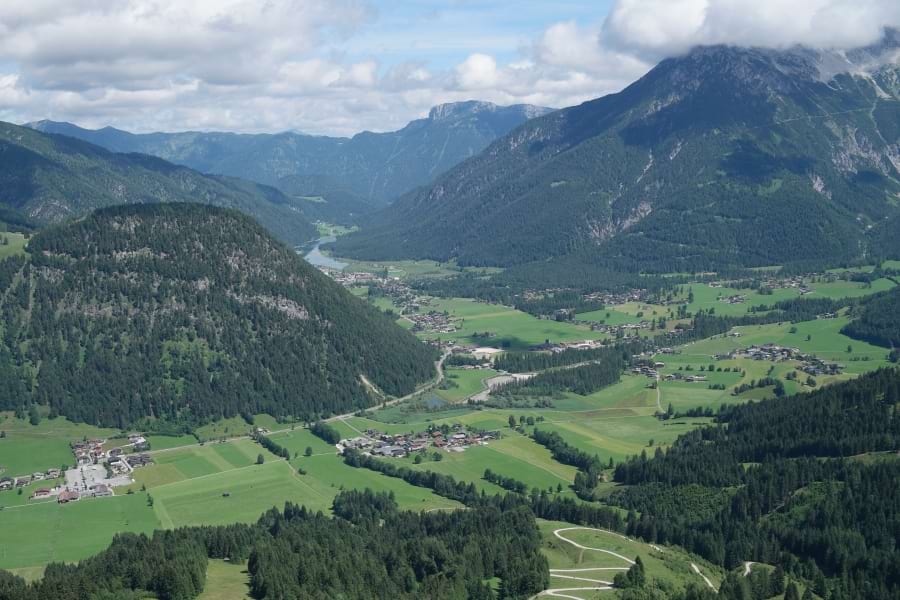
(810, 364)
(448, 439)
(96, 472)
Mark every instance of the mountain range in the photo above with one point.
(185, 313)
(51, 178)
(722, 156)
(375, 167)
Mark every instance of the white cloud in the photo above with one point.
(477, 72)
(272, 65)
(658, 28)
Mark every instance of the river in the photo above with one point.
(316, 258)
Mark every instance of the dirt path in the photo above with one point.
(577, 545)
(658, 395)
(578, 574)
(705, 578)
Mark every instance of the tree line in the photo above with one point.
(368, 549)
(776, 482)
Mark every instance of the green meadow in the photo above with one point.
(36, 534)
(505, 327)
(459, 384)
(28, 448)
(226, 581)
(669, 565)
(11, 244)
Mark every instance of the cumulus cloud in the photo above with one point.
(659, 28)
(252, 65)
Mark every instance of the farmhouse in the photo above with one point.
(7, 483)
(138, 460)
(485, 352)
(40, 494)
(67, 496)
(101, 490)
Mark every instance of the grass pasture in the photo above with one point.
(459, 384)
(36, 534)
(11, 244)
(28, 448)
(226, 581)
(508, 327)
(250, 491)
(669, 565)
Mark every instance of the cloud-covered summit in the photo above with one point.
(341, 66)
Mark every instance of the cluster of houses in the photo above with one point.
(8, 483)
(817, 367)
(769, 352)
(88, 452)
(387, 445)
(735, 299)
(617, 329)
(100, 490)
(432, 322)
(349, 279)
(648, 369)
(811, 364)
(678, 376)
(610, 299)
(556, 347)
(91, 452)
(772, 283)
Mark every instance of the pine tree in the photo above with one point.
(791, 592)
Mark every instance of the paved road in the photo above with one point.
(438, 365)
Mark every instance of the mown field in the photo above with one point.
(36, 534)
(226, 581)
(503, 327)
(27, 448)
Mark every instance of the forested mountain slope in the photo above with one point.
(51, 178)
(723, 156)
(878, 320)
(780, 481)
(188, 313)
(374, 166)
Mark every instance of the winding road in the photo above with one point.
(580, 575)
(589, 575)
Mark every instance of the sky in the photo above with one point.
(337, 67)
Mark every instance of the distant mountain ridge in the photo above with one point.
(51, 178)
(724, 156)
(376, 167)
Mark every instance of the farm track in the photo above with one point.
(599, 584)
(705, 578)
